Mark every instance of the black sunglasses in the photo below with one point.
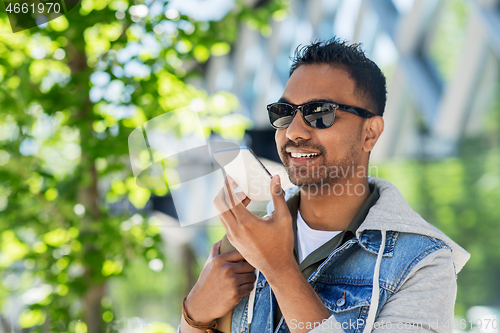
(315, 114)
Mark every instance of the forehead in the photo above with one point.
(321, 82)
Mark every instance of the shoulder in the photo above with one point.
(407, 253)
(416, 252)
(404, 254)
(400, 244)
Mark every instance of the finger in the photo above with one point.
(243, 198)
(230, 195)
(233, 256)
(233, 182)
(242, 267)
(240, 195)
(238, 208)
(227, 199)
(220, 202)
(246, 201)
(279, 201)
(226, 216)
(245, 289)
(215, 249)
(245, 278)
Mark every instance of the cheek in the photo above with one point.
(280, 138)
(340, 143)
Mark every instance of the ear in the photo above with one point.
(373, 129)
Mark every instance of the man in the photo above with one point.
(345, 253)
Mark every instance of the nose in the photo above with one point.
(298, 129)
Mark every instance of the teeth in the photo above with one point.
(301, 155)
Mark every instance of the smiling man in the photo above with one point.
(341, 252)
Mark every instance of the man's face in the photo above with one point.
(337, 150)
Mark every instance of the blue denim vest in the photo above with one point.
(344, 281)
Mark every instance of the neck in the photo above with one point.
(334, 206)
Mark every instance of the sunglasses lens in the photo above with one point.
(280, 115)
(320, 115)
(316, 114)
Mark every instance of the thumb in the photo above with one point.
(214, 251)
(278, 196)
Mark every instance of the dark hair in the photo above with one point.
(369, 80)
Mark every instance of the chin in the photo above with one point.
(316, 182)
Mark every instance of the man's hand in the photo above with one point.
(266, 243)
(224, 280)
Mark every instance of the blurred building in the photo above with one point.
(441, 59)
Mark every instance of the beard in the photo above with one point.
(327, 172)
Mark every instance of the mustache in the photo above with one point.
(304, 145)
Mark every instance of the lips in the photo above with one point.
(303, 154)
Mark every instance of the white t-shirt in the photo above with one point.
(310, 239)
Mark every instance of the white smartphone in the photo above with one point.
(247, 171)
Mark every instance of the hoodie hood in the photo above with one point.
(391, 212)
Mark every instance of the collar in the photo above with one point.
(314, 259)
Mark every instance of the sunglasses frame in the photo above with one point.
(342, 107)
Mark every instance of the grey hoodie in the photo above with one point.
(425, 301)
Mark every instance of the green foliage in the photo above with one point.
(70, 95)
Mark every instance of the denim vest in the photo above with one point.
(344, 281)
